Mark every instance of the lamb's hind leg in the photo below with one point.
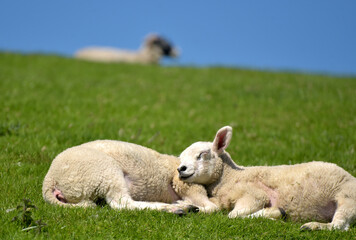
(83, 203)
(126, 202)
(344, 215)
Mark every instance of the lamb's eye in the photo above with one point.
(202, 154)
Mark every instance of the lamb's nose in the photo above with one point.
(182, 168)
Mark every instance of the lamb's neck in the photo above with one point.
(228, 172)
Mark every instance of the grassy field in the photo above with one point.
(50, 103)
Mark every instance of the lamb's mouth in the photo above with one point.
(181, 177)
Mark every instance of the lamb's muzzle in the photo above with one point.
(183, 173)
(181, 169)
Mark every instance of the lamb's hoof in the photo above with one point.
(283, 214)
(305, 228)
(193, 209)
(179, 212)
(312, 226)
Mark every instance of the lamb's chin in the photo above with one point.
(186, 178)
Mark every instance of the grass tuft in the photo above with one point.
(9, 129)
(25, 219)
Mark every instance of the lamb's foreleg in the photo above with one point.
(199, 198)
(270, 212)
(204, 203)
(245, 206)
(251, 201)
(194, 194)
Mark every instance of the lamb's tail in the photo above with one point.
(50, 193)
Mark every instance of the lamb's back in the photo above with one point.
(146, 171)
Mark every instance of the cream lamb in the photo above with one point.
(153, 49)
(316, 191)
(125, 175)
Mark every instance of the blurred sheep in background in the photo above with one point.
(153, 49)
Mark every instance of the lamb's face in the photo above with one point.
(198, 163)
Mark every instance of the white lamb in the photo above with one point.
(309, 191)
(125, 175)
(153, 49)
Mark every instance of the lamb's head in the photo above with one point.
(201, 162)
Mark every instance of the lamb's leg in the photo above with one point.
(344, 215)
(247, 205)
(198, 196)
(193, 194)
(208, 206)
(271, 213)
(201, 204)
(84, 203)
(126, 202)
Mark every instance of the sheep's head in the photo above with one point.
(201, 162)
(162, 45)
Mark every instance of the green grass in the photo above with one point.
(50, 103)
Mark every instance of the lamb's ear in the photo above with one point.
(222, 139)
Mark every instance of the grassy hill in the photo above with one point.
(50, 103)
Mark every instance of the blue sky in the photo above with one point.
(305, 35)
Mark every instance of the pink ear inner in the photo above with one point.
(222, 141)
